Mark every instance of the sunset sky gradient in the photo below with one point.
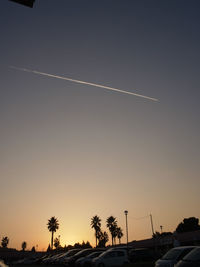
(72, 150)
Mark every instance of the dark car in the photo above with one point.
(62, 258)
(173, 256)
(142, 254)
(87, 260)
(192, 259)
(71, 260)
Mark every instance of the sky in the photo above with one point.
(74, 150)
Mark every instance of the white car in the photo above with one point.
(173, 256)
(116, 257)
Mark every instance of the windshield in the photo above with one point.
(194, 255)
(95, 254)
(172, 254)
(72, 252)
(177, 254)
(83, 252)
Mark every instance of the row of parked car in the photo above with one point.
(184, 256)
(116, 256)
(82, 258)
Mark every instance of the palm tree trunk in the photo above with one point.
(52, 240)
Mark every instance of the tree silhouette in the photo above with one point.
(88, 245)
(56, 243)
(188, 224)
(24, 245)
(96, 224)
(77, 245)
(4, 242)
(119, 234)
(112, 226)
(49, 248)
(163, 234)
(52, 225)
(103, 238)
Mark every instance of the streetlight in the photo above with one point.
(126, 214)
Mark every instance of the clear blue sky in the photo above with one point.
(74, 151)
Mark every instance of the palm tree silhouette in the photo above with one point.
(52, 225)
(119, 234)
(112, 226)
(96, 224)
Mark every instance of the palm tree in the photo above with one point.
(119, 234)
(24, 245)
(52, 225)
(112, 225)
(96, 224)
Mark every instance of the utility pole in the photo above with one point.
(152, 225)
(126, 214)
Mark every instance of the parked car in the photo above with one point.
(143, 254)
(192, 259)
(87, 260)
(28, 260)
(112, 257)
(119, 247)
(173, 256)
(63, 257)
(51, 258)
(70, 261)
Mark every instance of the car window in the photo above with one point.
(95, 254)
(71, 252)
(110, 255)
(184, 252)
(194, 255)
(120, 253)
(172, 254)
(83, 252)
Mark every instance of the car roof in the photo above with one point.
(116, 248)
(184, 247)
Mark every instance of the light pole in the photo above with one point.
(126, 214)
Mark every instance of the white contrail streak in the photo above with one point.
(82, 82)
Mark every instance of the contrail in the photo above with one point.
(82, 82)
